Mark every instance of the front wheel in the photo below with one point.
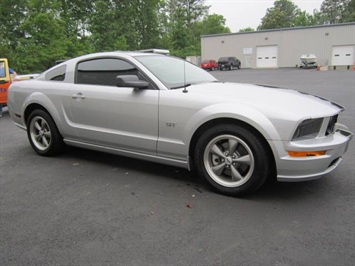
(43, 134)
(232, 159)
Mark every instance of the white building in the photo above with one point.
(333, 45)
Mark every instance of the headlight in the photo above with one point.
(308, 129)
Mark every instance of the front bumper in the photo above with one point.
(294, 169)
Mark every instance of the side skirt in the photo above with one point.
(125, 153)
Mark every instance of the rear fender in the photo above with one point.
(41, 100)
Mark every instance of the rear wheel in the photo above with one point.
(232, 159)
(43, 134)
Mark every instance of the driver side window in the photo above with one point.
(104, 71)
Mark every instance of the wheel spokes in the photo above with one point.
(218, 169)
(38, 126)
(243, 159)
(45, 142)
(217, 151)
(232, 146)
(47, 134)
(236, 176)
(38, 137)
(229, 160)
(41, 133)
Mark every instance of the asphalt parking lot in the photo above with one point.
(90, 208)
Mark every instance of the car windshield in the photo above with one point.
(174, 72)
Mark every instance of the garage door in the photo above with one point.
(343, 55)
(266, 56)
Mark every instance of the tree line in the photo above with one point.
(285, 14)
(36, 33)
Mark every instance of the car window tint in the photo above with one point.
(103, 71)
(56, 74)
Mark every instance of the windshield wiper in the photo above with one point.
(181, 86)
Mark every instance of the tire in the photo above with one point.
(232, 159)
(43, 134)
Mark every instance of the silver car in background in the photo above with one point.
(164, 109)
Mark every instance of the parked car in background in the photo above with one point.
(228, 63)
(209, 64)
(164, 109)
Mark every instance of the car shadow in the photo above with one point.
(271, 190)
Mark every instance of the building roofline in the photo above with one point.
(282, 29)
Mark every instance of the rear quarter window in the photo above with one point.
(56, 74)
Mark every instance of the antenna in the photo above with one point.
(184, 90)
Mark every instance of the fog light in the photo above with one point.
(305, 153)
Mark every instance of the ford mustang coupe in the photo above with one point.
(164, 109)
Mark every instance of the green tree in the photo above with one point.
(122, 25)
(213, 24)
(317, 18)
(147, 24)
(104, 27)
(349, 12)
(12, 15)
(248, 29)
(281, 15)
(333, 10)
(36, 33)
(305, 19)
(43, 39)
(182, 17)
(75, 16)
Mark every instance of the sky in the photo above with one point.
(240, 14)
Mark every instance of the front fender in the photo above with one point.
(242, 113)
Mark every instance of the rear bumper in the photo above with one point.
(223, 66)
(294, 169)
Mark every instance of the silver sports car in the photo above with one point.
(164, 109)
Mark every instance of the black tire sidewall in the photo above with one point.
(261, 167)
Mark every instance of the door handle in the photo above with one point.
(78, 95)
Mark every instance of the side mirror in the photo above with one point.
(131, 81)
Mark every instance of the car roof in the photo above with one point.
(129, 53)
(109, 54)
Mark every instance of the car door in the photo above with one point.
(112, 116)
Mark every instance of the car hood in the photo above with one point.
(269, 100)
